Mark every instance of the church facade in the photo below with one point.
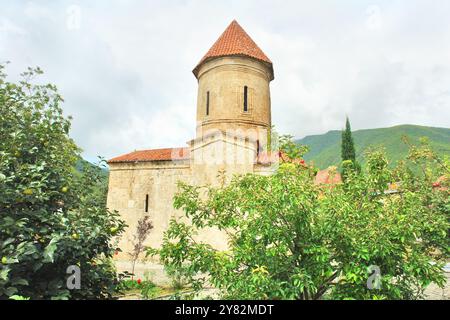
(232, 133)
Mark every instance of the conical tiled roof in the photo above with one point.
(234, 41)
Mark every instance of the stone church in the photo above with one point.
(232, 132)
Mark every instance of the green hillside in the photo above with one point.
(325, 149)
(81, 164)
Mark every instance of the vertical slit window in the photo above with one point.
(245, 99)
(146, 203)
(207, 103)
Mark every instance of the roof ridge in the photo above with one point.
(159, 149)
(161, 154)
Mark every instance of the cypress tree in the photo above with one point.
(348, 153)
(347, 146)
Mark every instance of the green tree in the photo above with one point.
(292, 149)
(348, 153)
(51, 216)
(347, 146)
(292, 239)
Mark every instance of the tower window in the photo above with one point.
(207, 103)
(146, 203)
(245, 99)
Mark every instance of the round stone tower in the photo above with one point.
(233, 86)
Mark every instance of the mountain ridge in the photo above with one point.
(325, 148)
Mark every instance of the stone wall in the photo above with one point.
(129, 183)
(215, 159)
(225, 79)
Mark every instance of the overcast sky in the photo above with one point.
(125, 67)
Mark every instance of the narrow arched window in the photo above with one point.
(146, 203)
(245, 99)
(207, 103)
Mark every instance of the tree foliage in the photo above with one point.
(347, 146)
(292, 239)
(348, 153)
(50, 215)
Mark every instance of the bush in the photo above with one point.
(51, 216)
(292, 239)
(147, 288)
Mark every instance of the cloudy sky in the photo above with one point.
(124, 67)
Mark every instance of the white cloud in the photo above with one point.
(374, 19)
(6, 26)
(35, 11)
(124, 67)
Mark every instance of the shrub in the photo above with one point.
(292, 239)
(50, 215)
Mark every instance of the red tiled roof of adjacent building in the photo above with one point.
(268, 157)
(439, 184)
(153, 155)
(234, 41)
(328, 176)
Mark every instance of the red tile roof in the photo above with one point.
(153, 155)
(268, 157)
(234, 41)
(328, 176)
(439, 184)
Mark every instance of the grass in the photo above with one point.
(146, 289)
